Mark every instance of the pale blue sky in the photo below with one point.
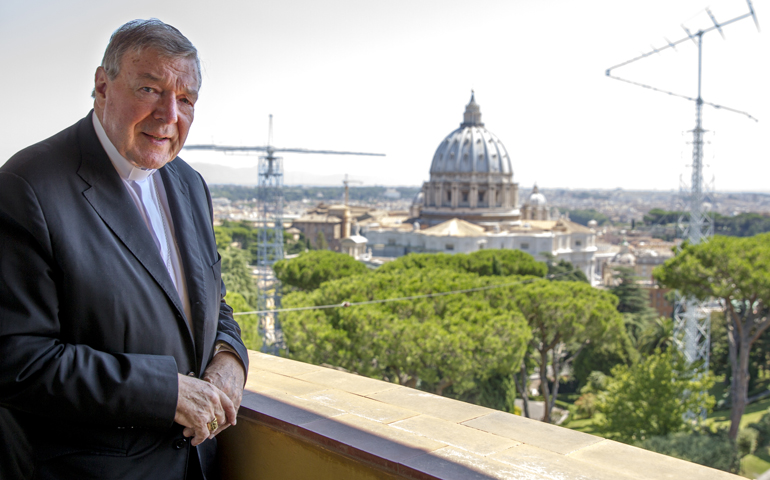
(394, 77)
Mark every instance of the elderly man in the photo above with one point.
(119, 357)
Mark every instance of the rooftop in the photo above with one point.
(455, 228)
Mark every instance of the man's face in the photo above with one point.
(147, 109)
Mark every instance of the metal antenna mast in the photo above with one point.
(270, 230)
(269, 244)
(692, 321)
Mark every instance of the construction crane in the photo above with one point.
(692, 320)
(270, 229)
(347, 182)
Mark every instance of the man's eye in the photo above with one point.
(186, 101)
(148, 89)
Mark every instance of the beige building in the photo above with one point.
(563, 239)
(471, 203)
(536, 207)
(642, 260)
(336, 222)
(355, 246)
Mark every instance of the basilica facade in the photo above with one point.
(471, 202)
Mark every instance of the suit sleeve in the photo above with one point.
(41, 374)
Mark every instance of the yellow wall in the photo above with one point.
(253, 451)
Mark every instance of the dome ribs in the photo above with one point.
(471, 175)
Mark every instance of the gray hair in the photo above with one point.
(136, 35)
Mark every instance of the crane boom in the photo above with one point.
(229, 148)
(270, 229)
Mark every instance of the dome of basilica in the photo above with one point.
(470, 177)
(471, 148)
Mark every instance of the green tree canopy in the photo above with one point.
(237, 275)
(564, 317)
(310, 269)
(734, 270)
(223, 238)
(247, 236)
(639, 317)
(249, 323)
(445, 344)
(632, 298)
(466, 345)
(658, 216)
(320, 241)
(483, 262)
(639, 320)
(366, 194)
(291, 246)
(744, 224)
(564, 271)
(584, 216)
(651, 397)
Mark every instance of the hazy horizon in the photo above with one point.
(335, 180)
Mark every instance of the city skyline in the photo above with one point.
(395, 79)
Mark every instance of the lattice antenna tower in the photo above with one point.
(692, 321)
(270, 230)
(269, 245)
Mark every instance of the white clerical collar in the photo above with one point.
(125, 168)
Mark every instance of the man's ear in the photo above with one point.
(100, 87)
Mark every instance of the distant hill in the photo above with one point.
(292, 193)
(223, 175)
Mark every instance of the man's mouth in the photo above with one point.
(156, 138)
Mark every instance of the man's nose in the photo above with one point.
(166, 110)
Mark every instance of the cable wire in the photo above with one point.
(398, 299)
(722, 107)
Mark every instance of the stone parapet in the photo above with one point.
(300, 421)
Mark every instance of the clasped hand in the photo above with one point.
(218, 396)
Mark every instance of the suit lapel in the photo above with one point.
(108, 197)
(186, 235)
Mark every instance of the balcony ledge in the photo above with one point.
(304, 421)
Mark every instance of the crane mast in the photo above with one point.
(270, 200)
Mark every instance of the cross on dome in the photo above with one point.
(472, 116)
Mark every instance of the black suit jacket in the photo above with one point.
(92, 331)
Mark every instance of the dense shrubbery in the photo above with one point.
(762, 427)
(651, 397)
(747, 441)
(712, 449)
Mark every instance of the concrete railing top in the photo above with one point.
(414, 434)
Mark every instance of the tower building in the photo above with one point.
(536, 207)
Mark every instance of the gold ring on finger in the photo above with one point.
(213, 425)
